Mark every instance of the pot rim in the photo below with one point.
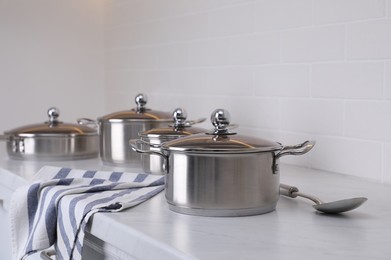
(203, 151)
(130, 120)
(51, 135)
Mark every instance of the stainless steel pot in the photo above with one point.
(222, 173)
(152, 139)
(116, 129)
(52, 140)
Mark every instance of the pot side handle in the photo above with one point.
(296, 149)
(196, 121)
(88, 122)
(135, 143)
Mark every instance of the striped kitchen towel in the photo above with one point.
(55, 210)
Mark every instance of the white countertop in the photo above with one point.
(293, 231)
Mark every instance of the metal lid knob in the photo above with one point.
(220, 119)
(180, 116)
(53, 114)
(141, 101)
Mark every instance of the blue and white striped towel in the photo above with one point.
(56, 209)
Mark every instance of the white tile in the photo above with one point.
(332, 11)
(154, 32)
(354, 157)
(149, 57)
(282, 14)
(388, 80)
(191, 27)
(121, 100)
(170, 56)
(119, 14)
(312, 116)
(136, 58)
(230, 81)
(147, 10)
(123, 80)
(348, 80)
(368, 120)
(202, 5)
(115, 60)
(188, 81)
(263, 48)
(211, 52)
(254, 112)
(314, 44)
(369, 40)
(231, 20)
(152, 10)
(130, 12)
(179, 28)
(152, 80)
(234, 2)
(282, 80)
(122, 36)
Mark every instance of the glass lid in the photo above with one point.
(138, 113)
(52, 127)
(180, 128)
(221, 140)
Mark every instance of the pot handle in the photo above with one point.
(135, 143)
(87, 122)
(296, 149)
(196, 121)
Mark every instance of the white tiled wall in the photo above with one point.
(51, 54)
(286, 70)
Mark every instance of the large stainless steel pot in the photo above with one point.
(116, 129)
(52, 140)
(222, 173)
(152, 139)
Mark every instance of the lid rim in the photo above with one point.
(219, 151)
(48, 134)
(206, 143)
(126, 120)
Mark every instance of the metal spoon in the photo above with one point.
(334, 207)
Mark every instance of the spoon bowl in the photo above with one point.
(339, 206)
(334, 207)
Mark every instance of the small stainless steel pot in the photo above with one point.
(152, 139)
(222, 173)
(116, 129)
(52, 140)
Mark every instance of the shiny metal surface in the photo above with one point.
(52, 127)
(222, 184)
(116, 129)
(52, 140)
(152, 140)
(334, 207)
(114, 140)
(53, 148)
(140, 113)
(222, 173)
(221, 140)
(220, 119)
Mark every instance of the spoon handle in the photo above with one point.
(288, 190)
(293, 192)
